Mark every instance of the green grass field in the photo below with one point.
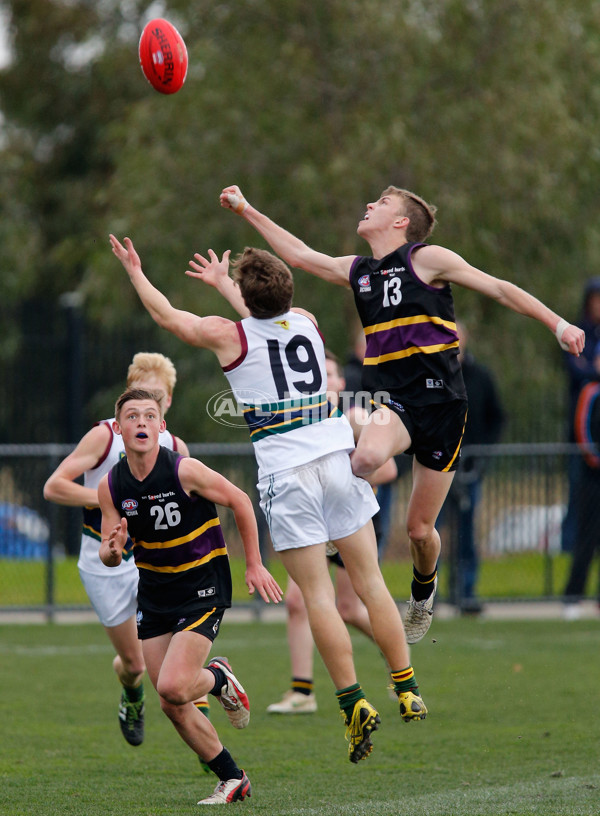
(513, 728)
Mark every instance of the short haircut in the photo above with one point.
(329, 355)
(138, 394)
(420, 213)
(265, 282)
(148, 363)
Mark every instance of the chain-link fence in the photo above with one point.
(517, 509)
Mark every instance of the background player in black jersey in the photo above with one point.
(166, 502)
(404, 300)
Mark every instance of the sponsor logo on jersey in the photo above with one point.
(397, 405)
(129, 504)
(429, 383)
(285, 324)
(365, 283)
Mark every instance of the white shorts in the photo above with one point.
(114, 597)
(316, 502)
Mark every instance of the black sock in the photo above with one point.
(302, 685)
(422, 585)
(220, 681)
(224, 766)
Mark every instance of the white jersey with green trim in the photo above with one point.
(89, 560)
(280, 382)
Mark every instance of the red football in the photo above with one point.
(163, 56)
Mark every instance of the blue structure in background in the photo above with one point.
(24, 534)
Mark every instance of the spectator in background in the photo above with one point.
(580, 370)
(484, 426)
(586, 498)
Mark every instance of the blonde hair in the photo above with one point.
(146, 363)
(418, 211)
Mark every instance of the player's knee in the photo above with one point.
(173, 692)
(294, 603)
(129, 665)
(173, 711)
(419, 533)
(365, 460)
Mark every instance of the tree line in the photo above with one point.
(489, 109)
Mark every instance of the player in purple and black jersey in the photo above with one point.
(405, 304)
(166, 504)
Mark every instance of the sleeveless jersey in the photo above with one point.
(280, 382)
(178, 543)
(410, 329)
(89, 560)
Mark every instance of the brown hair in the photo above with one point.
(138, 394)
(418, 211)
(329, 355)
(265, 282)
(149, 363)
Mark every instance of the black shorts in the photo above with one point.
(436, 431)
(204, 621)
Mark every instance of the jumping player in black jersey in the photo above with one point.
(404, 300)
(166, 503)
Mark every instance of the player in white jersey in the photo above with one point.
(113, 591)
(275, 361)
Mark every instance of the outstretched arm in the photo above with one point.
(195, 477)
(114, 528)
(215, 333)
(436, 264)
(215, 273)
(293, 251)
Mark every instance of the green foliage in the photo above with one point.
(516, 750)
(490, 110)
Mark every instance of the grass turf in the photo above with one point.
(512, 728)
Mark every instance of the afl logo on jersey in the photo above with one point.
(365, 283)
(129, 506)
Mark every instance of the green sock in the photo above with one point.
(204, 707)
(134, 693)
(347, 699)
(405, 680)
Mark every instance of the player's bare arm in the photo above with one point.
(114, 528)
(181, 446)
(215, 333)
(215, 273)
(196, 478)
(291, 249)
(438, 265)
(61, 486)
